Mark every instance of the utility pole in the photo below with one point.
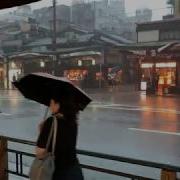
(6, 66)
(54, 37)
(100, 80)
(54, 25)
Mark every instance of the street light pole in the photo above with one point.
(6, 65)
(54, 40)
(100, 80)
(54, 25)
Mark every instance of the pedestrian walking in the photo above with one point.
(66, 162)
(14, 79)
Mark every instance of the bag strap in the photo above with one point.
(52, 135)
(49, 137)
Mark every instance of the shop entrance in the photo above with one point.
(163, 78)
(167, 73)
(15, 73)
(76, 75)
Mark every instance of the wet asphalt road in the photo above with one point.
(121, 123)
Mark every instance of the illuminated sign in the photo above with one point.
(79, 63)
(13, 65)
(93, 62)
(143, 86)
(166, 65)
(147, 65)
(159, 65)
(42, 64)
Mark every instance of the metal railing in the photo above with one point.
(168, 172)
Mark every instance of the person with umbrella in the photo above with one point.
(65, 101)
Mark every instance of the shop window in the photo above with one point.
(75, 75)
(167, 76)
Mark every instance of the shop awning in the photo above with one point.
(28, 55)
(170, 47)
(12, 3)
(78, 54)
(78, 49)
(142, 46)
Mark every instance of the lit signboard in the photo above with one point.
(166, 65)
(147, 65)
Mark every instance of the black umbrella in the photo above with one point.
(11, 3)
(40, 87)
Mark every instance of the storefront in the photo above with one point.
(76, 75)
(159, 76)
(26, 63)
(83, 70)
(85, 77)
(38, 65)
(15, 72)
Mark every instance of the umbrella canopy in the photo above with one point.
(116, 69)
(40, 87)
(12, 3)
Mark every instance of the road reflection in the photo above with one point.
(163, 121)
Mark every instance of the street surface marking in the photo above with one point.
(154, 131)
(18, 99)
(11, 98)
(5, 114)
(135, 108)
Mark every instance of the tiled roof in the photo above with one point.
(48, 41)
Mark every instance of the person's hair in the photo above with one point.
(68, 108)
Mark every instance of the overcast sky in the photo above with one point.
(159, 6)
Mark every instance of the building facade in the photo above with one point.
(82, 54)
(44, 16)
(109, 16)
(160, 65)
